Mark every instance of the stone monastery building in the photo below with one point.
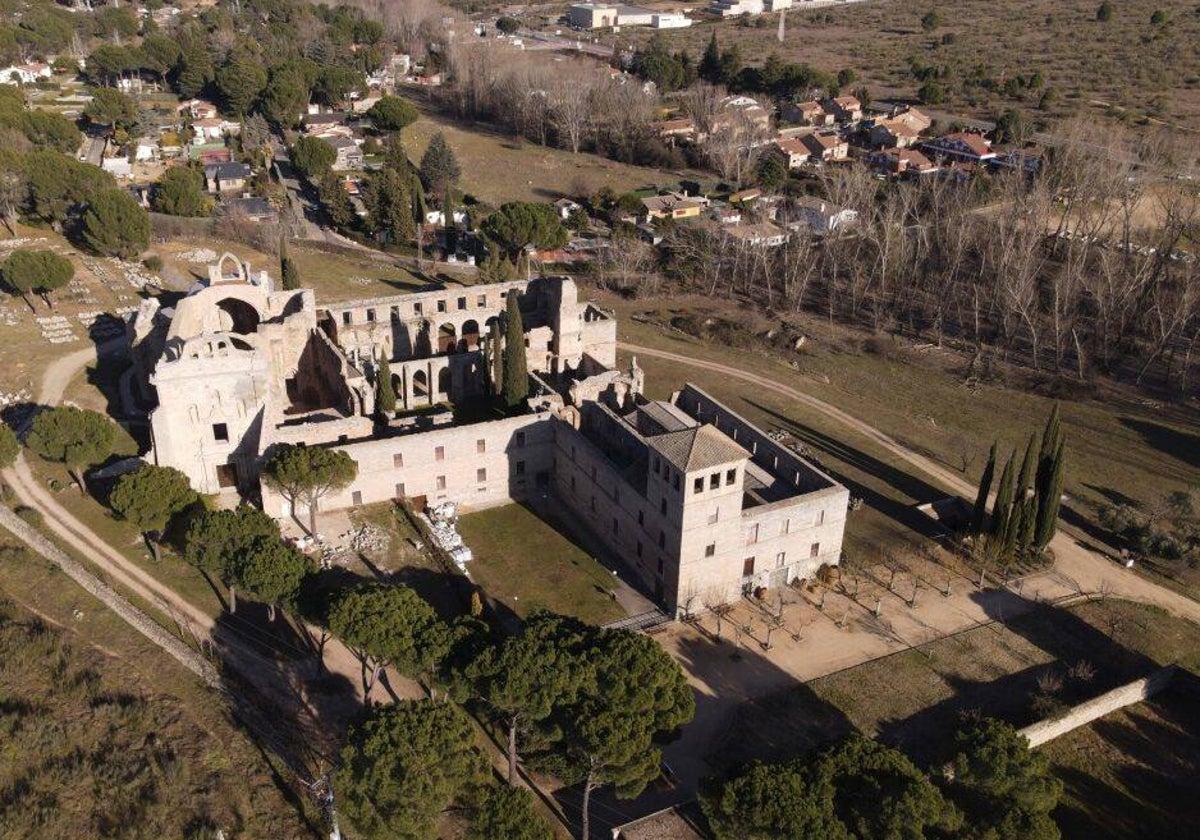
(694, 499)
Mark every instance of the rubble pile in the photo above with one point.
(56, 329)
(199, 256)
(443, 525)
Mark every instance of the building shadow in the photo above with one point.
(731, 687)
(906, 483)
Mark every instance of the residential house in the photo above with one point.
(736, 8)
(1028, 161)
(845, 109)
(670, 21)
(819, 215)
(741, 111)
(349, 155)
(725, 214)
(899, 131)
(679, 128)
(198, 109)
(760, 235)
(145, 149)
(806, 113)
(226, 177)
(252, 209)
(592, 15)
(795, 153)
(961, 146)
(207, 130)
(315, 124)
(826, 147)
(634, 16)
(901, 163)
(744, 198)
(118, 167)
(673, 205)
(565, 207)
(24, 74)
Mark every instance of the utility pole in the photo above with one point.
(322, 791)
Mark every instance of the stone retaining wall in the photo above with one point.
(91, 584)
(1083, 714)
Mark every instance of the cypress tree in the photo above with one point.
(979, 514)
(385, 401)
(1025, 507)
(710, 63)
(1052, 439)
(516, 374)
(289, 275)
(1002, 510)
(1047, 513)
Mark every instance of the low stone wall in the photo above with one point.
(1083, 714)
(91, 584)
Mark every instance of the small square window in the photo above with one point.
(714, 481)
(417, 308)
(814, 550)
(480, 446)
(370, 316)
(220, 432)
(519, 468)
(441, 482)
(462, 303)
(400, 494)
(748, 567)
(346, 317)
(441, 306)
(356, 497)
(710, 550)
(521, 442)
(481, 300)
(481, 474)
(398, 460)
(439, 453)
(698, 485)
(780, 559)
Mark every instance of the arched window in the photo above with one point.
(243, 318)
(447, 339)
(420, 383)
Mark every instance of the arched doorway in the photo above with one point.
(420, 383)
(243, 318)
(444, 382)
(470, 336)
(447, 338)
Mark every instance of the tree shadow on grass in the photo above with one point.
(1181, 445)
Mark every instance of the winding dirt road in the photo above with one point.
(1077, 569)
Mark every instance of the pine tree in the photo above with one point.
(1049, 501)
(386, 399)
(979, 514)
(1002, 509)
(516, 374)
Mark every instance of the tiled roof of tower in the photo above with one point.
(697, 449)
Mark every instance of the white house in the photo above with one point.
(565, 207)
(24, 74)
(820, 215)
(670, 21)
(145, 149)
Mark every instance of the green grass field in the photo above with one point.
(526, 565)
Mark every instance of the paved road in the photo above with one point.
(1076, 566)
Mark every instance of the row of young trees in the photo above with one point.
(1024, 517)
(994, 787)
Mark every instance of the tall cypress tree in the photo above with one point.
(385, 400)
(979, 513)
(289, 275)
(1049, 501)
(1025, 504)
(516, 374)
(1052, 440)
(710, 64)
(1002, 509)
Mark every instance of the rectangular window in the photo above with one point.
(730, 476)
(752, 537)
(521, 442)
(675, 480)
(519, 468)
(439, 453)
(400, 494)
(698, 485)
(748, 567)
(398, 460)
(417, 309)
(480, 446)
(784, 526)
(710, 550)
(481, 474)
(220, 433)
(481, 300)
(714, 481)
(395, 313)
(441, 306)
(356, 497)
(441, 482)
(714, 516)
(462, 303)
(346, 317)
(370, 316)
(814, 550)
(780, 559)
(820, 518)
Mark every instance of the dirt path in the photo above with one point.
(1076, 566)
